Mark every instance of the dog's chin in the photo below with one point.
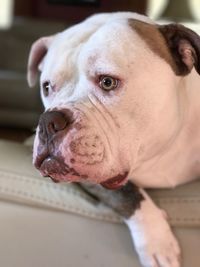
(58, 171)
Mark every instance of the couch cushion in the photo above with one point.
(20, 182)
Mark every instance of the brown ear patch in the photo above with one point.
(154, 39)
(187, 53)
(184, 45)
(176, 44)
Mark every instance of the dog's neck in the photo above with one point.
(180, 161)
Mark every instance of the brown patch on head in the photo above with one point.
(184, 45)
(176, 44)
(154, 39)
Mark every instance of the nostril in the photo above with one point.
(52, 122)
(58, 123)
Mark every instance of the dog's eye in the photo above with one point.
(108, 83)
(46, 88)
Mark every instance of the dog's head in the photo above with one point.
(110, 90)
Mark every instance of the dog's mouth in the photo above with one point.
(115, 182)
(55, 168)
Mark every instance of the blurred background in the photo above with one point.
(77, 10)
(24, 21)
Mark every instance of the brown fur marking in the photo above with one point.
(154, 39)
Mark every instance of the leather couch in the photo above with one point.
(46, 224)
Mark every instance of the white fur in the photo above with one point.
(152, 114)
(99, 50)
(152, 236)
(149, 126)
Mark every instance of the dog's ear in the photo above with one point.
(184, 45)
(37, 53)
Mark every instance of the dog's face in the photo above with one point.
(110, 91)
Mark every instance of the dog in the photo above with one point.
(122, 107)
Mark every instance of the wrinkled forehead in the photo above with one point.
(61, 54)
(111, 43)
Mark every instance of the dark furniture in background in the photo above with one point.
(60, 10)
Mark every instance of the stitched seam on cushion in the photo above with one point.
(35, 182)
(181, 201)
(193, 199)
(82, 211)
(184, 219)
(53, 203)
(62, 206)
(32, 180)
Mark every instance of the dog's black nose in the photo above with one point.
(52, 122)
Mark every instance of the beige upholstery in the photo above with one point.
(47, 224)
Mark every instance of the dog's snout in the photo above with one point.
(52, 122)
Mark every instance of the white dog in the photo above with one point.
(122, 103)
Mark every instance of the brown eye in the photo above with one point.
(46, 88)
(108, 83)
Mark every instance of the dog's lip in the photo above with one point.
(41, 158)
(53, 167)
(115, 182)
(45, 164)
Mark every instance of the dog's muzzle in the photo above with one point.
(65, 148)
(52, 126)
(68, 148)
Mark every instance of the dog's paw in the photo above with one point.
(153, 239)
(159, 249)
(155, 242)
